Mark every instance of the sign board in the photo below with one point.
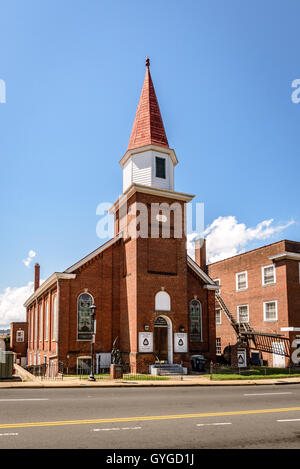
(103, 360)
(146, 342)
(180, 342)
(242, 358)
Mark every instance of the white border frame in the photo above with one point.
(237, 283)
(263, 275)
(238, 313)
(276, 310)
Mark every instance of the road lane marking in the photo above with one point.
(218, 423)
(115, 428)
(289, 420)
(9, 434)
(267, 393)
(57, 423)
(15, 400)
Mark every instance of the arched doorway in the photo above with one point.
(163, 344)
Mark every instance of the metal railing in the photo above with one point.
(252, 370)
(46, 371)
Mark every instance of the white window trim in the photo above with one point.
(276, 310)
(22, 333)
(238, 312)
(218, 323)
(219, 289)
(237, 283)
(54, 319)
(41, 321)
(47, 320)
(263, 275)
(31, 327)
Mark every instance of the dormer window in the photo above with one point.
(160, 167)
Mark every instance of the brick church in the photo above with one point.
(149, 294)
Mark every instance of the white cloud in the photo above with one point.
(225, 237)
(29, 258)
(11, 304)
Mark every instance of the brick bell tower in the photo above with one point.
(150, 219)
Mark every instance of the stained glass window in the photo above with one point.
(195, 321)
(85, 323)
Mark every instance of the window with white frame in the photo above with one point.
(218, 316)
(46, 321)
(243, 313)
(160, 167)
(218, 346)
(55, 321)
(31, 328)
(268, 275)
(241, 281)
(270, 311)
(35, 325)
(41, 322)
(20, 336)
(217, 282)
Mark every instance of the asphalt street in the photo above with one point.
(162, 418)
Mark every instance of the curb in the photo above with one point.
(152, 385)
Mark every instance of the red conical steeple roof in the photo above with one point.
(148, 127)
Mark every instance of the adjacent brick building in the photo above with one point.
(19, 341)
(148, 292)
(260, 287)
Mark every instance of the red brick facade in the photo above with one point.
(19, 340)
(123, 280)
(125, 275)
(285, 291)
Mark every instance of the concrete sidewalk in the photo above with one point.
(189, 380)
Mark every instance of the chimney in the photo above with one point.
(36, 276)
(200, 253)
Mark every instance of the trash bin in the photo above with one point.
(198, 362)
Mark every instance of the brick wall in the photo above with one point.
(285, 291)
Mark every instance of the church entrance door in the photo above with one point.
(161, 339)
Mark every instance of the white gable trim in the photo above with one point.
(148, 190)
(48, 283)
(192, 264)
(286, 255)
(134, 151)
(93, 254)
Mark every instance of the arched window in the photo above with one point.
(46, 321)
(195, 321)
(55, 320)
(162, 301)
(85, 323)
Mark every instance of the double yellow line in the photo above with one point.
(144, 418)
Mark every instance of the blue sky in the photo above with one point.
(74, 71)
